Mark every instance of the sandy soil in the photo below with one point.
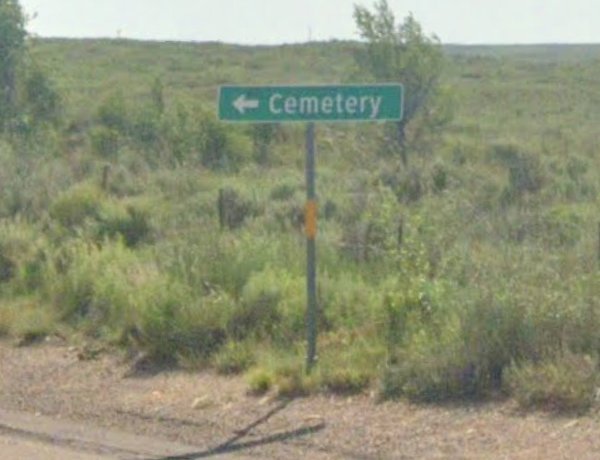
(216, 414)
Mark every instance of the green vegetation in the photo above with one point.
(27, 98)
(402, 52)
(135, 218)
(12, 37)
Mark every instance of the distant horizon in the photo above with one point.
(299, 43)
(279, 22)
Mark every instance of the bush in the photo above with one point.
(432, 367)
(349, 360)
(112, 113)
(375, 235)
(105, 141)
(562, 226)
(32, 322)
(271, 305)
(42, 99)
(346, 380)
(566, 382)
(206, 260)
(257, 314)
(349, 302)
(221, 149)
(498, 329)
(95, 288)
(31, 177)
(260, 381)
(285, 190)
(174, 325)
(85, 209)
(233, 209)
(289, 376)
(234, 357)
(73, 207)
(131, 222)
(146, 128)
(525, 171)
(110, 292)
(26, 320)
(22, 256)
(263, 136)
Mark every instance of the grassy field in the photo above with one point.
(471, 272)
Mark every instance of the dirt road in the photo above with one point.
(17, 448)
(33, 437)
(215, 415)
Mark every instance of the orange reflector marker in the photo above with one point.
(310, 219)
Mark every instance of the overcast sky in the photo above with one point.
(286, 21)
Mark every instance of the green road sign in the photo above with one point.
(264, 104)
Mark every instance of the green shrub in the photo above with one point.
(22, 256)
(110, 292)
(257, 313)
(131, 222)
(284, 190)
(439, 177)
(235, 357)
(26, 319)
(146, 128)
(263, 136)
(272, 305)
(349, 302)
(31, 178)
(260, 381)
(221, 149)
(73, 207)
(433, 366)
(42, 99)
(95, 288)
(32, 322)
(105, 141)
(375, 235)
(233, 209)
(565, 382)
(346, 380)
(350, 359)
(112, 113)
(204, 259)
(498, 329)
(85, 208)
(562, 226)
(181, 137)
(290, 378)
(7, 267)
(526, 173)
(174, 325)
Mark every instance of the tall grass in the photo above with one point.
(472, 272)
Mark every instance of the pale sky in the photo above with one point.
(290, 21)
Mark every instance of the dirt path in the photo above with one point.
(16, 448)
(215, 415)
(33, 436)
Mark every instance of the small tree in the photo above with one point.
(27, 95)
(12, 48)
(400, 53)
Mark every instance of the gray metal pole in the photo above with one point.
(310, 222)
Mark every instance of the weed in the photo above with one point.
(565, 382)
(260, 381)
(234, 357)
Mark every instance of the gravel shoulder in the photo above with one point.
(216, 415)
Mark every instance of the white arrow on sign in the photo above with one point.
(241, 104)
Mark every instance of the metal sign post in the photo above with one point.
(310, 225)
(339, 103)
